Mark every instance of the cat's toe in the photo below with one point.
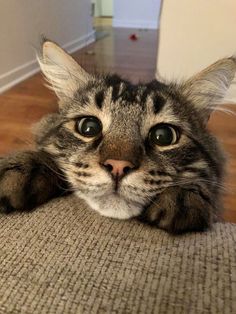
(6, 206)
(152, 215)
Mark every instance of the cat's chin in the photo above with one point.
(113, 206)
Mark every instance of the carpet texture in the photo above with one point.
(65, 258)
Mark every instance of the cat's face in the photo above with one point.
(120, 145)
(110, 120)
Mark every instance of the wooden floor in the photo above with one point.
(27, 102)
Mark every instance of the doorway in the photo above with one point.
(102, 11)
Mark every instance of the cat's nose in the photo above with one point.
(118, 167)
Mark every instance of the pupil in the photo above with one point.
(164, 136)
(90, 127)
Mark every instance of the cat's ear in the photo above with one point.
(207, 89)
(64, 75)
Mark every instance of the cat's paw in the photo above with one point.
(27, 180)
(13, 189)
(179, 210)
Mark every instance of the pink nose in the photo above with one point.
(118, 167)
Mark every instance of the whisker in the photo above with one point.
(59, 174)
(90, 184)
(198, 180)
(221, 108)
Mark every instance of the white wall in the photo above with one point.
(67, 22)
(194, 36)
(136, 13)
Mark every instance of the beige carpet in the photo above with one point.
(64, 258)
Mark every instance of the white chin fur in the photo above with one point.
(113, 206)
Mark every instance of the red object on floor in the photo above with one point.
(133, 37)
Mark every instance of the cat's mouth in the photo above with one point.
(113, 205)
(112, 199)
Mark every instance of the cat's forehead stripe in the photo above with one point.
(99, 98)
(114, 82)
(158, 103)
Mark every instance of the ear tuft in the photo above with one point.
(64, 75)
(208, 88)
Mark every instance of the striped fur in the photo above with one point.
(176, 187)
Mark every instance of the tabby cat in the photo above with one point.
(128, 150)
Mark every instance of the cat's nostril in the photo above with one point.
(108, 167)
(126, 170)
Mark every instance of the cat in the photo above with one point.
(128, 150)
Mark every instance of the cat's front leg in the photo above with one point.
(27, 180)
(179, 210)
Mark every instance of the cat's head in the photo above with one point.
(120, 144)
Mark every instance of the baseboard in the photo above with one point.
(135, 24)
(24, 71)
(18, 74)
(79, 43)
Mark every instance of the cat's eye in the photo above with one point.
(163, 135)
(89, 126)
